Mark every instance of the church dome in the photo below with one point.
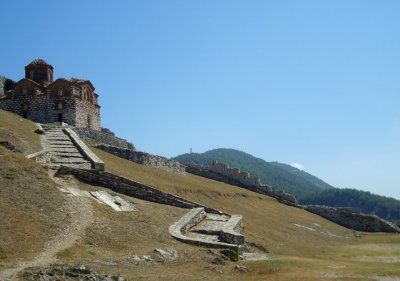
(38, 62)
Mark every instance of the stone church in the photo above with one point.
(38, 98)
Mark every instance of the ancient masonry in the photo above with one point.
(222, 172)
(63, 147)
(353, 218)
(38, 98)
(201, 226)
(204, 226)
(144, 158)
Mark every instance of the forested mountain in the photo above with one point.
(384, 207)
(277, 175)
(307, 188)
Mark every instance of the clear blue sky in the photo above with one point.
(309, 82)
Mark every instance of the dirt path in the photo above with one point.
(80, 212)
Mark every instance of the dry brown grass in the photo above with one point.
(330, 252)
(267, 222)
(30, 207)
(19, 131)
(32, 212)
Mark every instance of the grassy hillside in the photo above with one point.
(302, 246)
(307, 188)
(19, 131)
(277, 175)
(31, 212)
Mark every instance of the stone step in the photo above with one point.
(66, 154)
(49, 133)
(54, 131)
(70, 160)
(86, 166)
(55, 144)
(60, 140)
(55, 139)
(64, 150)
(58, 136)
(62, 146)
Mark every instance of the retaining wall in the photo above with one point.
(281, 196)
(131, 188)
(231, 230)
(97, 163)
(145, 159)
(350, 218)
(105, 136)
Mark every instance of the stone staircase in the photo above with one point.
(62, 151)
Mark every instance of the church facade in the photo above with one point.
(41, 99)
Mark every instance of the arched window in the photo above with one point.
(87, 95)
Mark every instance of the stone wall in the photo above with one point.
(353, 219)
(35, 109)
(87, 115)
(230, 231)
(45, 108)
(205, 171)
(146, 159)
(105, 136)
(235, 173)
(180, 228)
(131, 188)
(96, 162)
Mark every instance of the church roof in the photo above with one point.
(40, 62)
(75, 81)
(81, 81)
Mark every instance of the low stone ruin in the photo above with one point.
(353, 218)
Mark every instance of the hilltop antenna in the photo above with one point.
(191, 151)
